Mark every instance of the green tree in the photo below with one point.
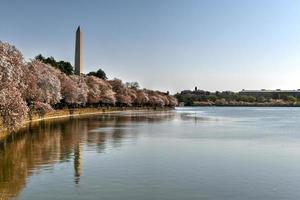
(243, 98)
(99, 73)
(261, 99)
(291, 99)
(63, 66)
(51, 61)
(251, 99)
(40, 57)
(212, 97)
(133, 85)
(188, 101)
(298, 97)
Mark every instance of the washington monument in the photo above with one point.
(78, 52)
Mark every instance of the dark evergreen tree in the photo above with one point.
(63, 66)
(99, 73)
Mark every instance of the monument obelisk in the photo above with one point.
(78, 52)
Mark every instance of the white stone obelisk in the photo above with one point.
(78, 52)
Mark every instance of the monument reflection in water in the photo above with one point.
(42, 145)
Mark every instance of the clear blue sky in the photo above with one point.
(167, 44)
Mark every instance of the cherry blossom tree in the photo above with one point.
(31, 90)
(163, 97)
(48, 87)
(41, 108)
(142, 98)
(79, 97)
(100, 91)
(133, 95)
(172, 101)
(155, 99)
(69, 90)
(122, 92)
(13, 109)
(11, 64)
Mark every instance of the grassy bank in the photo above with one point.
(64, 113)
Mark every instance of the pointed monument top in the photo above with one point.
(78, 28)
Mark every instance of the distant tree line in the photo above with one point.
(44, 84)
(201, 97)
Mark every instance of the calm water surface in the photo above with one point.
(189, 153)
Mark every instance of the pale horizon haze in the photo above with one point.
(166, 44)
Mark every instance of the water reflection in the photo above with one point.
(77, 163)
(41, 145)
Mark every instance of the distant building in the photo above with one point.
(196, 92)
(278, 93)
(78, 52)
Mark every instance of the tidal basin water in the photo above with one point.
(189, 153)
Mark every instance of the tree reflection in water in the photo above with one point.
(42, 145)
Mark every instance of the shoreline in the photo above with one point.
(78, 112)
(245, 104)
(71, 113)
(266, 106)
